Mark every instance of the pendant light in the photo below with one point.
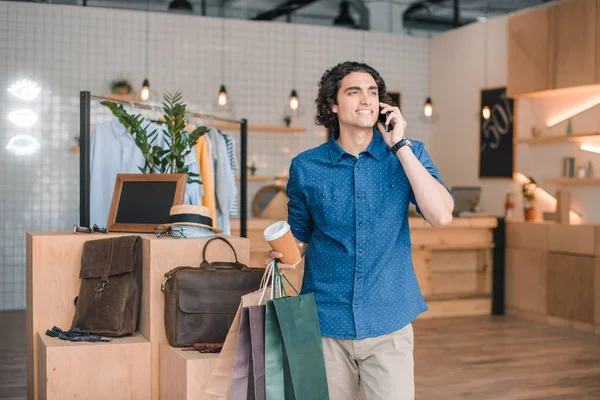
(222, 96)
(294, 102)
(486, 113)
(428, 109)
(145, 94)
(222, 99)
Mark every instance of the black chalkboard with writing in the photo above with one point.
(496, 135)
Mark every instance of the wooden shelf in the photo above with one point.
(260, 128)
(578, 137)
(574, 181)
(259, 178)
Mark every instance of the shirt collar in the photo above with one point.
(377, 148)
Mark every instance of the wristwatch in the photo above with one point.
(403, 142)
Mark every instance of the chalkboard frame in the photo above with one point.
(180, 181)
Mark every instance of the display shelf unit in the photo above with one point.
(53, 266)
(574, 181)
(261, 128)
(576, 137)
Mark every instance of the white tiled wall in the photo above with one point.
(67, 49)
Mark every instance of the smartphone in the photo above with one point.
(383, 118)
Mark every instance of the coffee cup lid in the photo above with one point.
(276, 230)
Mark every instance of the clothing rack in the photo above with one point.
(84, 156)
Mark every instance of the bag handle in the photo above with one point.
(207, 266)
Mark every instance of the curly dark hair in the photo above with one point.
(330, 84)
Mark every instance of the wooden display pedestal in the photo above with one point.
(53, 265)
(184, 374)
(82, 370)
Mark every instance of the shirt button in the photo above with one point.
(358, 196)
(357, 279)
(360, 251)
(356, 306)
(360, 224)
(357, 167)
(322, 194)
(392, 185)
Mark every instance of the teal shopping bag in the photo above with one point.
(294, 326)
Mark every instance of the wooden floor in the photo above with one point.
(480, 358)
(13, 353)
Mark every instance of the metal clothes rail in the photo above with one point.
(84, 155)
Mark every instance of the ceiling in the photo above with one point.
(411, 15)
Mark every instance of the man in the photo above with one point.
(348, 211)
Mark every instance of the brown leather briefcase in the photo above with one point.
(111, 286)
(201, 303)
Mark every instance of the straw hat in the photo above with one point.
(186, 214)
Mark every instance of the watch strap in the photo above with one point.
(403, 142)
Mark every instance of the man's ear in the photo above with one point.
(334, 107)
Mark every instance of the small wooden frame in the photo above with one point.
(141, 202)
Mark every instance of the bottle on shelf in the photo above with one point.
(589, 173)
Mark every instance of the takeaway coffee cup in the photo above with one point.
(279, 236)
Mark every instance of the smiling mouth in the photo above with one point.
(365, 112)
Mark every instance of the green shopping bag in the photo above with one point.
(294, 362)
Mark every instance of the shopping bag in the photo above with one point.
(219, 383)
(257, 341)
(242, 379)
(298, 323)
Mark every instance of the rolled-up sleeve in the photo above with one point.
(423, 157)
(299, 216)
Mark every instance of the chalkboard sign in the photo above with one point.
(141, 202)
(496, 157)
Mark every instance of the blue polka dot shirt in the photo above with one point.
(353, 213)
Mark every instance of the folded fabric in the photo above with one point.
(205, 347)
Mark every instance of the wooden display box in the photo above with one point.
(82, 370)
(184, 374)
(53, 265)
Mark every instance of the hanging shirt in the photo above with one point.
(225, 186)
(231, 154)
(113, 151)
(206, 174)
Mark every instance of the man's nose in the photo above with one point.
(364, 99)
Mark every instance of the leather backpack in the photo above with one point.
(111, 286)
(201, 303)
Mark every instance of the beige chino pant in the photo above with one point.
(382, 367)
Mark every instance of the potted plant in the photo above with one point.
(180, 142)
(528, 190)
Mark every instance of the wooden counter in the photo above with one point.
(553, 273)
(453, 264)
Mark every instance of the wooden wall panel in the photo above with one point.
(571, 287)
(573, 43)
(528, 52)
(576, 239)
(526, 280)
(527, 235)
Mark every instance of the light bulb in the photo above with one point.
(294, 100)
(145, 90)
(428, 110)
(486, 113)
(222, 95)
